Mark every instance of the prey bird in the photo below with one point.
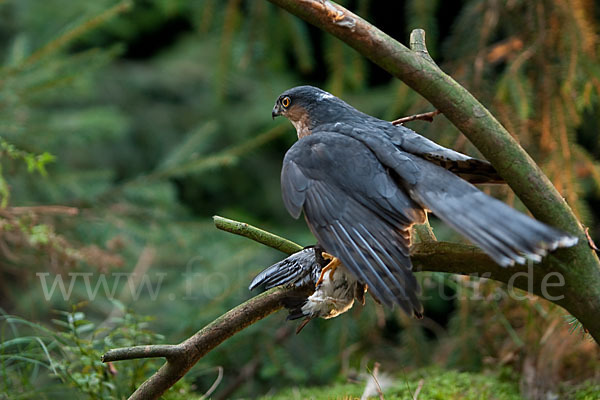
(363, 182)
(333, 296)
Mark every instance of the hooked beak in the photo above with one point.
(276, 111)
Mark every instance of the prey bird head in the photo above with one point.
(308, 107)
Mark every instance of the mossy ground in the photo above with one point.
(437, 385)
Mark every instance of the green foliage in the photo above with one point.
(535, 64)
(34, 162)
(33, 356)
(586, 391)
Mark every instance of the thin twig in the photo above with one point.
(374, 374)
(215, 385)
(590, 240)
(428, 116)
(421, 383)
(57, 210)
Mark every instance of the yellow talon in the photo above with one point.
(333, 264)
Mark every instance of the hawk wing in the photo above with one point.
(408, 141)
(356, 211)
(470, 169)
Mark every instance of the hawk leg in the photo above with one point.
(333, 264)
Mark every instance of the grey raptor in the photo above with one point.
(363, 182)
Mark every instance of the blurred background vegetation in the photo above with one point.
(125, 125)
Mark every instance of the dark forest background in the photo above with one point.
(125, 125)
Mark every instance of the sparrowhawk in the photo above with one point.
(363, 182)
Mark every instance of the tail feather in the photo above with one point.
(505, 234)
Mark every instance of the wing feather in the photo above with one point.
(356, 211)
(300, 268)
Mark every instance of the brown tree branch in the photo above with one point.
(428, 116)
(183, 356)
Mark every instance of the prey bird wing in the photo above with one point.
(356, 211)
(301, 268)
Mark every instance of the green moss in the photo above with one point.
(587, 391)
(437, 385)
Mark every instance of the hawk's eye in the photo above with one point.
(285, 102)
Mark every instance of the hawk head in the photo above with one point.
(307, 107)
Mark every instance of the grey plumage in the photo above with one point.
(365, 222)
(363, 182)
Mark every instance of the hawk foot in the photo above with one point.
(333, 264)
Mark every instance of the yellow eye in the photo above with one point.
(285, 102)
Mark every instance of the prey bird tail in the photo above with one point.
(505, 234)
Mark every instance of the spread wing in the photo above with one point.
(356, 211)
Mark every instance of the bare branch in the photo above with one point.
(428, 116)
(151, 351)
(590, 240)
(182, 357)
